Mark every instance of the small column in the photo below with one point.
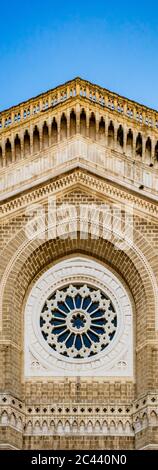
(143, 148)
(31, 109)
(97, 128)
(115, 103)
(77, 88)
(106, 136)
(40, 136)
(41, 104)
(106, 98)
(134, 145)
(3, 154)
(3, 122)
(87, 91)
(68, 91)
(12, 117)
(22, 144)
(143, 117)
(97, 96)
(124, 139)
(49, 101)
(58, 127)
(49, 131)
(125, 108)
(68, 123)
(153, 143)
(58, 96)
(40, 128)
(134, 112)
(106, 130)
(13, 147)
(97, 119)
(87, 123)
(77, 119)
(31, 139)
(115, 135)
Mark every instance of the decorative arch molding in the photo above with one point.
(25, 247)
(37, 257)
(115, 360)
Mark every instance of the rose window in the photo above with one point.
(78, 321)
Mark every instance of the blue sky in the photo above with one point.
(45, 43)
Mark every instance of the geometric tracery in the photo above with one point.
(78, 321)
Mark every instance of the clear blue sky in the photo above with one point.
(45, 43)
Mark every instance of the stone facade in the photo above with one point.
(94, 155)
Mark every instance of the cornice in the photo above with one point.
(83, 179)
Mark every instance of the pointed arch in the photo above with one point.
(105, 426)
(36, 140)
(8, 152)
(37, 428)
(4, 419)
(63, 127)
(72, 123)
(148, 150)
(26, 144)
(90, 427)
(45, 136)
(75, 426)
(17, 144)
(52, 426)
(13, 420)
(139, 145)
(102, 130)
(129, 146)
(82, 426)
(92, 127)
(28, 428)
(83, 123)
(45, 427)
(144, 420)
(97, 427)
(60, 428)
(153, 418)
(120, 137)
(112, 426)
(54, 132)
(19, 424)
(128, 427)
(120, 427)
(111, 134)
(67, 427)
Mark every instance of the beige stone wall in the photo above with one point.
(127, 415)
(84, 443)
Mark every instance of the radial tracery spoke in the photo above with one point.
(94, 311)
(60, 310)
(60, 332)
(67, 306)
(59, 314)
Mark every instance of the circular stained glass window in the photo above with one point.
(78, 321)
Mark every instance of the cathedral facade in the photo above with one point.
(79, 271)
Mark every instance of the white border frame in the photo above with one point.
(115, 360)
